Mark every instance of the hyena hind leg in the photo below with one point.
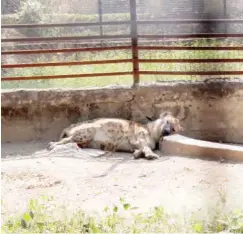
(63, 141)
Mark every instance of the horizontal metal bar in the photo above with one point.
(165, 21)
(68, 50)
(33, 39)
(190, 48)
(186, 21)
(23, 65)
(22, 78)
(65, 24)
(201, 73)
(199, 35)
(191, 60)
(89, 49)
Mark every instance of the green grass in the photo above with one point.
(43, 216)
(123, 80)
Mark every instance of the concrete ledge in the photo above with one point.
(210, 110)
(185, 146)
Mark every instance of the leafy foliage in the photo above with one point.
(39, 218)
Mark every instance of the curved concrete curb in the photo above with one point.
(185, 146)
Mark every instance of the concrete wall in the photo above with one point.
(209, 110)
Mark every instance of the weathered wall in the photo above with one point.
(211, 110)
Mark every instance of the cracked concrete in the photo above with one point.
(210, 110)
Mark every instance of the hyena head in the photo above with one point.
(169, 124)
(165, 125)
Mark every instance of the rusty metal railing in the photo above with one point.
(70, 50)
(133, 47)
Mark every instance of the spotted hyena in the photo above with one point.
(111, 134)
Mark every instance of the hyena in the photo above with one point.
(113, 134)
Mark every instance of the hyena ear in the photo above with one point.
(164, 114)
(148, 118)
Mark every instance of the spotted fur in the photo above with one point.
(111, 134)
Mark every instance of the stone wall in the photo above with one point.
(211, 110)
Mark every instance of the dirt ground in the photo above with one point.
(79, 178)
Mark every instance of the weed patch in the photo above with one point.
(42, 216)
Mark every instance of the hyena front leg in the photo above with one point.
(149, 154)
(142, 149)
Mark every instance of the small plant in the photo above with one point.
(31, 12)
(39, 218)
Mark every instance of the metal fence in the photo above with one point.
(133, 41)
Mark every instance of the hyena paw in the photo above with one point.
(138, 154)
(152, 156)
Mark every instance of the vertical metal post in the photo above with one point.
(100, 17)
(225, 16)
(134, 41)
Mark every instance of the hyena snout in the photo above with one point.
(168, 130)
(171, 127)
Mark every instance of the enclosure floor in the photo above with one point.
(78, 178)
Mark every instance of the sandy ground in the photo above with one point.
(81, 179)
